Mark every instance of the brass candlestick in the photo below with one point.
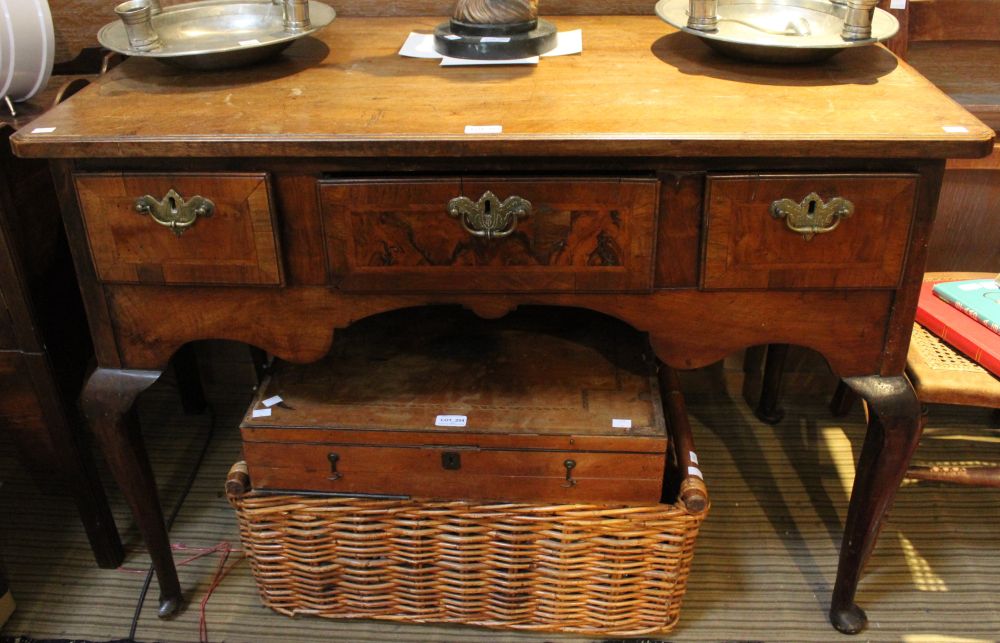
(495, 30)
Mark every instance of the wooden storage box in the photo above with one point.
(545, 405)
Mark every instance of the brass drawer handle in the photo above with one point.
(173, 211)
(488, 217)
(811, 216)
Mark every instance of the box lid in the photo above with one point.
(443, 372)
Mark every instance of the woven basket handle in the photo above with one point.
(237, 482)
(693, 492)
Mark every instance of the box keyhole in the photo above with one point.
(451, 460)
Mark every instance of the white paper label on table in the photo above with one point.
(695, 471)
(618, 423)
(261, 413)
(568, 43)
(897, 4)
(956, 129)
(271, 401)
(451, 420)
(484, 129)
(421, 45)
(693, 456)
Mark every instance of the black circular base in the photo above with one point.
(502, 42)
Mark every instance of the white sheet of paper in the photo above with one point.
(567, 44)
(421, 45)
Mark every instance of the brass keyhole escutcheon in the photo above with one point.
(334, 458)
(174, 211)
(489, 218)
(570, 465)
(811, 215)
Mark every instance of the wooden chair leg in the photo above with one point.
(185, 363)
(768, 408)
(972, 476)
(843, 400)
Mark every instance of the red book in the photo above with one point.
(963, 333)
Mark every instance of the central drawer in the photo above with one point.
(439, 403)
(490, 235)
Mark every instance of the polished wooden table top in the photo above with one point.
(638, 89)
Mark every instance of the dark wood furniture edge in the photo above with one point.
(76, 466)
(94, 301)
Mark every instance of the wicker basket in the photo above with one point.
(585, 569)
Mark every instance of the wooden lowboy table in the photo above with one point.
(655, 169)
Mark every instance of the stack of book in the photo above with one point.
(966, 315)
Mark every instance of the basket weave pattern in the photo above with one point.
(572, 568)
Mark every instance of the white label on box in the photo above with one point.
(956, 129)
(494, 39)
(621, 424)
(695, 471)
(249, 43)
(897, 4)
(484, 129)
(262, 413)
(271, 401)
(693, 456)
(43, 130)
(451, 420)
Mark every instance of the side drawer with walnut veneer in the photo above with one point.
(807, 231)
(505, 235)
(181, 228)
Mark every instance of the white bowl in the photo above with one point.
(27, 47)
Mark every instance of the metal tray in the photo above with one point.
(782, 31)
(216, 34)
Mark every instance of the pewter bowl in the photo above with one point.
(782, 31)
(217, 34)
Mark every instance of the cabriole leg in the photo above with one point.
(893, 433)
(107, 401)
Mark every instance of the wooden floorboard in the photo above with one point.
(763, 570)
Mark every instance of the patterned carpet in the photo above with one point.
(764, 567)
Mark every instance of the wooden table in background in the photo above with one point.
(652, 165)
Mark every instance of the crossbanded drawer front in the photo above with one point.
(456, 472)
(181, 228)
(807, 231)
(490, 235)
